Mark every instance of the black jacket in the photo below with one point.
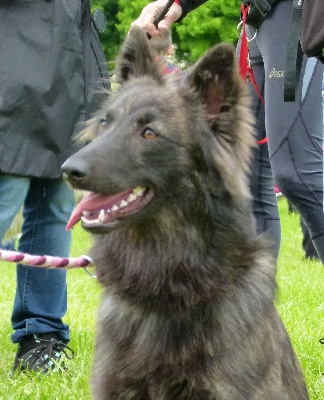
(189, 5)
(50, 65)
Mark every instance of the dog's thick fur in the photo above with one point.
(188, 304)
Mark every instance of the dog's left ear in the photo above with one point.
(135, 58)
(216, 79)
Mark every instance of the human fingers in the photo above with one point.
(149, 13)
(172, 15)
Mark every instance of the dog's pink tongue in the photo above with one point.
(92, 201)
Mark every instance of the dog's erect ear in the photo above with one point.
(216, 79)
(135, 58)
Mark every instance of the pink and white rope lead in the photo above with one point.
(45, 261)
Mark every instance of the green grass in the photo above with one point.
(300, 303)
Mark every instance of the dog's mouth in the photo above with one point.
(100, 210)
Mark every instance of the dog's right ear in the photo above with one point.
(135, 58)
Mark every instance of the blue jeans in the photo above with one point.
(41, 295)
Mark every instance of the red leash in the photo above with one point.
(245, 67)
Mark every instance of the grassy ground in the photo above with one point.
(300, 302)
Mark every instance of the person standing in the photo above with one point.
(51, 62)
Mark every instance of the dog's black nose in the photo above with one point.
(74, 169)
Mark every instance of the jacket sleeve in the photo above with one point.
(189, 5)
(96, 76)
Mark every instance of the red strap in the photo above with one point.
(255, 85)
(244, 53)
(245, 68)
(177, 1)
(262, 141)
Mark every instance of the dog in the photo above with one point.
(188, 285)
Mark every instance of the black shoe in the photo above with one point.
(42, 353)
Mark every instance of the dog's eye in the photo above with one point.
(103, 122)
(149, 134)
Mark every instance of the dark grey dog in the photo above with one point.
(189, 286)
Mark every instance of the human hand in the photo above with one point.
(148, 14)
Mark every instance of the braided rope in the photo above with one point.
(45, 261)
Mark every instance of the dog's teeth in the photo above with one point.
(114, 208)
(101, 216)
(139, 190)
(90, 221)
(108, 211)
(86, 213)
(131, 198)
(123, 204)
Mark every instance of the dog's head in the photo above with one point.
(157, 137)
